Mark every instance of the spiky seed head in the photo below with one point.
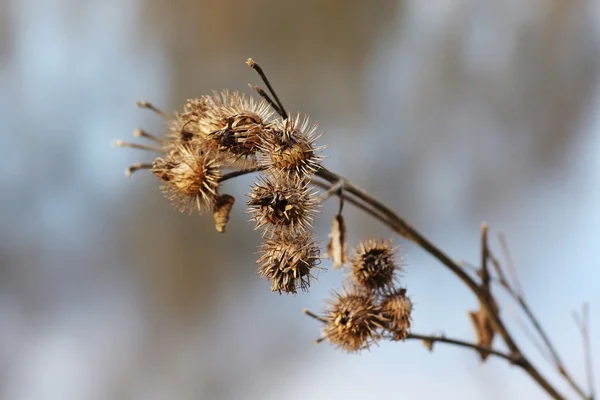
(289, 146)
(242, 122)
(396, 308)
(336, 248)
(221, 210)
(232, 122)
(282, 202)
(241, 136)
(287, 262)
(373, 266)
(353, 319)
(190, 175)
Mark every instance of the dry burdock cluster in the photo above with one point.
(222, 136)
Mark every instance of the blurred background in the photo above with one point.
(453, 112)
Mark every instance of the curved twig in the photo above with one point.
(517, 294)
(429, 340)
(239, 172)
(513, 359)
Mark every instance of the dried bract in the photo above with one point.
(484, 330)
(287, 261)
(190, 175)
(282, 202)
(352, 320)
(428, 343)
(336, 248)
(221, 210)
(373, 266)
(290, 147)
(396, 308)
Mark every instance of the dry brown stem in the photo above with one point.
(223, 130)
(401, 227)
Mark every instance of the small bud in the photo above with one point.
(373, 266)
(336, 248)
(287, 261)
(221, 210)
(353, 318)
(396, 308)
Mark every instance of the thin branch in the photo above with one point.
(485, 272)
(517, 294)
(583, 324)
(341, 201)
(269, 100)
(240, 172)
(314, 316)
(142, 133)
(437, 339)
(475, 269)
(136, 167)
(262, 75)
(512, 270)
(364, 207)
(332, 190)
(151, 107)
(557, 361)
(501, 277)
(549, 353)
(588, 350)
(121, 143)
(513, 359)
(532, 337)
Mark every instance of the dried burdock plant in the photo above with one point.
(217, 138)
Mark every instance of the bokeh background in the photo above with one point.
(453, 112)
